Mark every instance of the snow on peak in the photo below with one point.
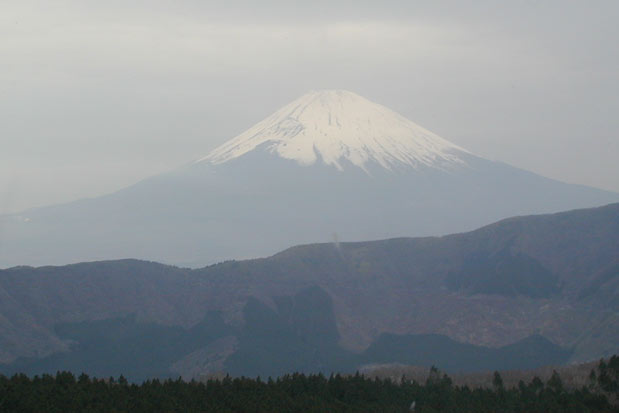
(337, 125)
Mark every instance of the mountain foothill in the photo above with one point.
(473, 265)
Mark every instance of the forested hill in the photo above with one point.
(300, 335)
(553, 276)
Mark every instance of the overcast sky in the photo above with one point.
(96, 95)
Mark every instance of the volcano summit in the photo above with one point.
(331, 164)
(339, 126)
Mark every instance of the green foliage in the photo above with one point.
(607, 377)
(497, 381)
(294, 393)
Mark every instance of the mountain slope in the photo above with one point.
(418, 350)
(332, 165)
(299, 335)
(407, 286)
(335, 126)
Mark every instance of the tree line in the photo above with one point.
(64, 392)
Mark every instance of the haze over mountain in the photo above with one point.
(522, 292)
(329, 166)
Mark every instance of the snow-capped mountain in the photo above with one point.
(331, 165)
(336, 125)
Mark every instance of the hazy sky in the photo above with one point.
(96, 95)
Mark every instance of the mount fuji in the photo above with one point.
(329, 166)
(337, 127)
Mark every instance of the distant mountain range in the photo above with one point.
(519, 293)
(330, 165)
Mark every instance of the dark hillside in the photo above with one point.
(552, 275)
